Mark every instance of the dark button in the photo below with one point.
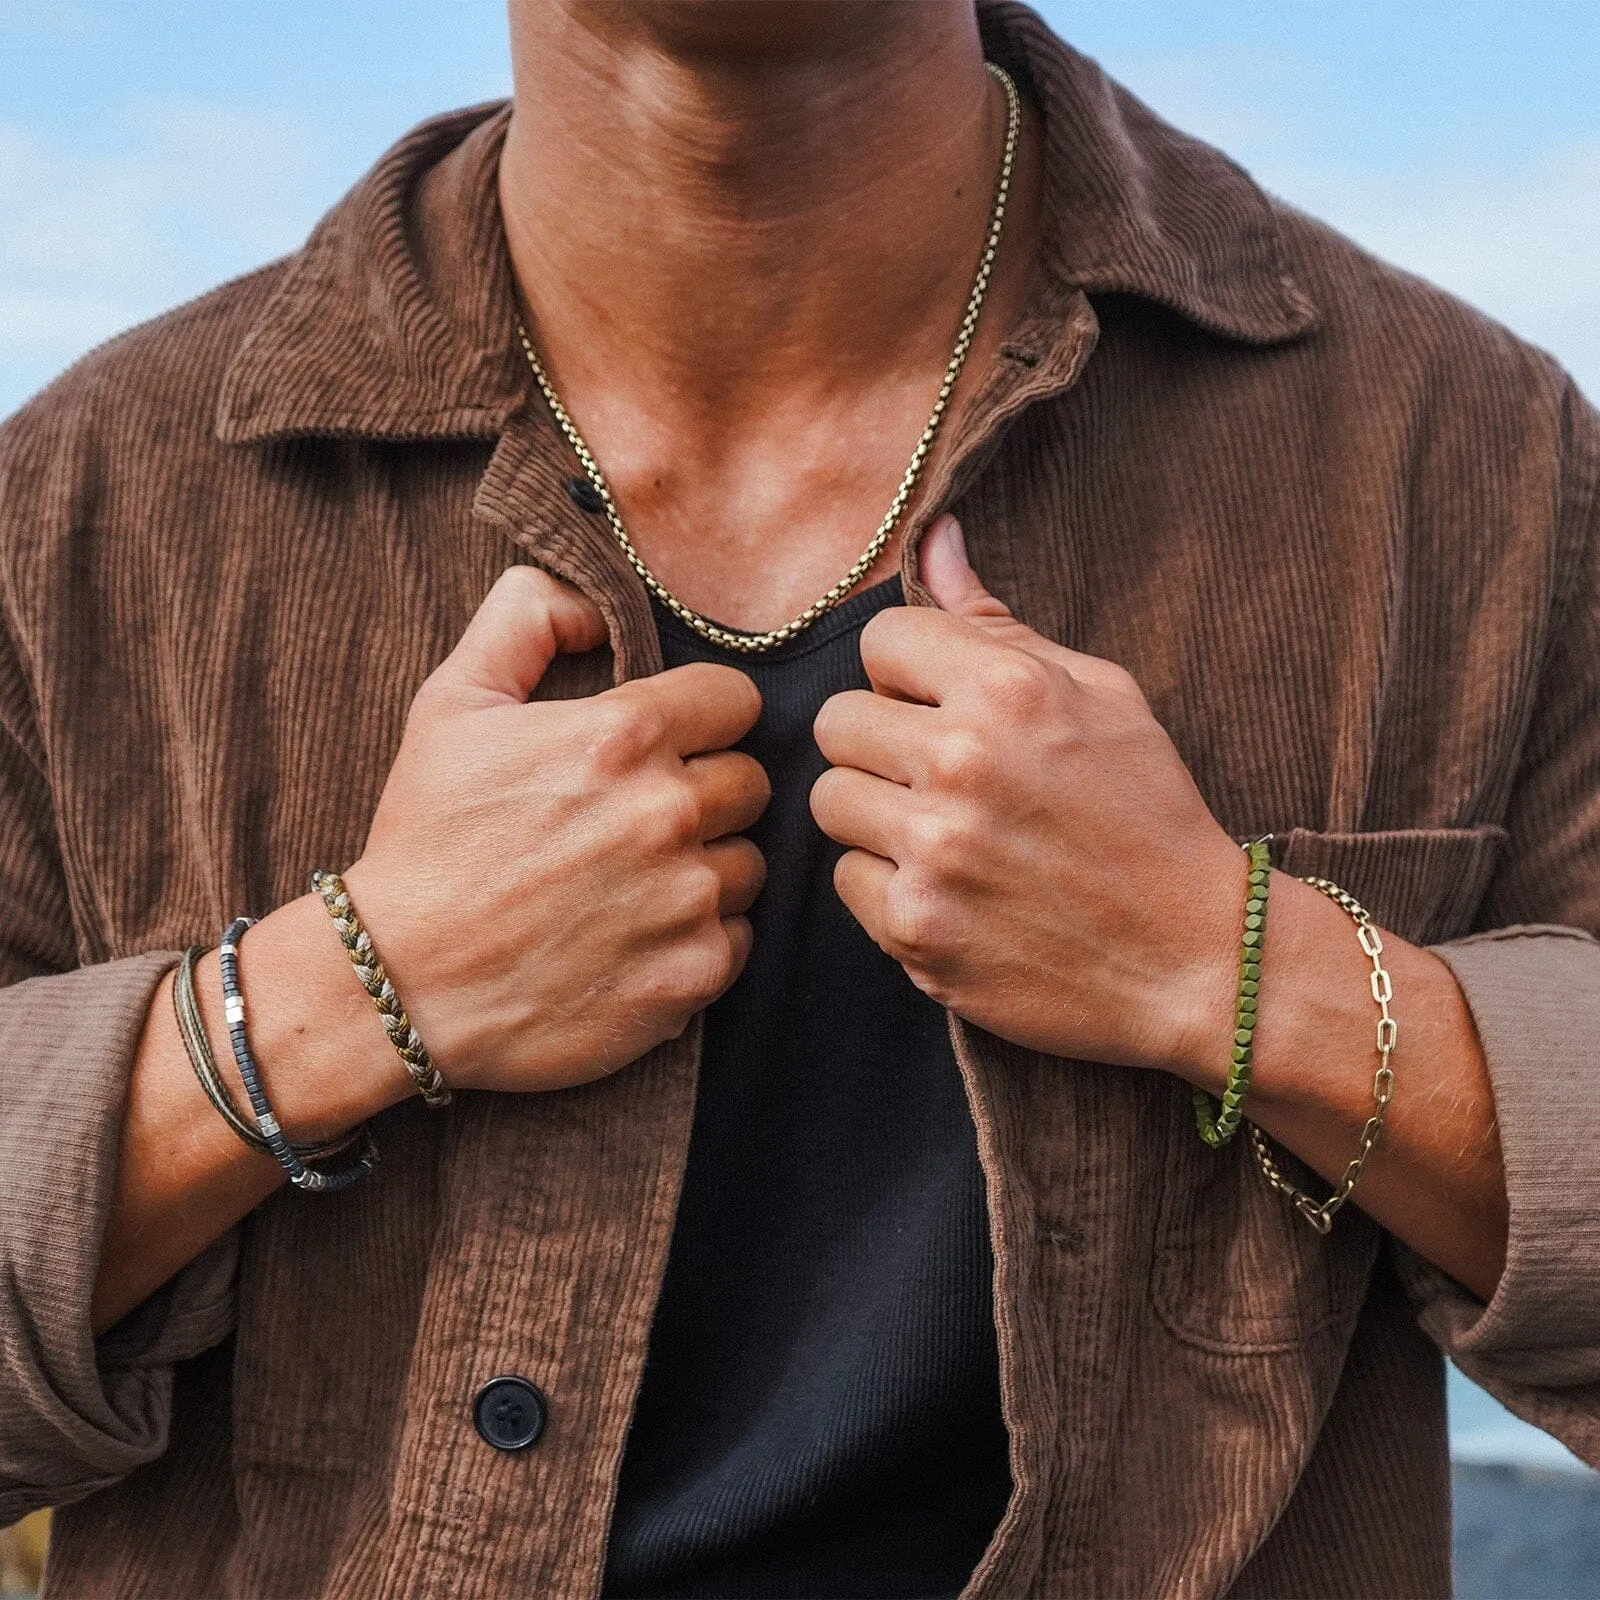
(509, 1413)
(585, 496)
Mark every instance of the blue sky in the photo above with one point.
(147, 151)
(150, 150)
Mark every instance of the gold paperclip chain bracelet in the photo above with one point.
(1320, 1216)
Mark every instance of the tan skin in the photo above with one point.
(744, 230)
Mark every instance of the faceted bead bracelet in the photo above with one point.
(1218, 1125)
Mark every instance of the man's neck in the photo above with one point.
(744, 231)
(730, 195)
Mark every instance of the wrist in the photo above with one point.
(1202, 999)
(325, 1061)
(1314, 991)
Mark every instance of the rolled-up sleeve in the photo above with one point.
(76, 1413)
(1532, 981)
(1535, 995)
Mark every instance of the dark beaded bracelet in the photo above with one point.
(1217, 1124)
(300, 1175)
(193, 1029)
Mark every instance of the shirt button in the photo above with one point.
(509, 1413)
(585, 496)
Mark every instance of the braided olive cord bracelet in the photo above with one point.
(1217, 1125)
(358, 943)
(1321, 1216)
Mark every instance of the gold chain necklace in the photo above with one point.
(753, 643)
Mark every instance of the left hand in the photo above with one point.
(1024, 838)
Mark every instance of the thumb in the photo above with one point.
(526, 617)
(959, 590)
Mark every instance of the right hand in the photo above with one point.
(556, 886)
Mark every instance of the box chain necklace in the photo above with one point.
(754, 643)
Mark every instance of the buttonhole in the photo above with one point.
(1068, 1237)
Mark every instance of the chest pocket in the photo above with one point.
(1234, 1270)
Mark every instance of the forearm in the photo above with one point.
(1435, 1179)
(183, 1176)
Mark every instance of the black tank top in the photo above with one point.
(820, 1408)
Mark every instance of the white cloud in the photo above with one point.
(1521, 242)
(1202, 94)
(1519, 239)
(191, 194)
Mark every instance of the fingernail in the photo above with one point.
(950, 530)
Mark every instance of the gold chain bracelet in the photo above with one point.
(1321, 1216)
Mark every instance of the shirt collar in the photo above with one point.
(395, 319)
(1133, 205)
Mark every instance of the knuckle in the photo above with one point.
(672, 814)
(743, 688)
(663, 999)
(722, 685)
(887, 632)
(701, 894)
(937, 988)
(670, 991)
(430, 700)
(522, 581)
(1110, 678)
(691, 974)
(911, 917)
(520, 590)
(1017, 681)
(726, 961)
(940, 841)
(883, 626)
(1127, 686)
(754, 783)
(959, 758)
(824, 791)
(625, 731)
(706, 968)
(749, 868)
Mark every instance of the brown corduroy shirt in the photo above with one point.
(1344, 532)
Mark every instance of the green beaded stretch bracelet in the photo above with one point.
(1218, 1125)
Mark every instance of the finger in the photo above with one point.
(949, 578)
(742, 870)
(860, 729)
(733, 790)
(704, 706)
(739, 937)
(919, 654)
(930, 657)
(862, 811)
(959, 591)
(526, 617)
(861, 880)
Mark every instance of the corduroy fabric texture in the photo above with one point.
(1342, 530)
